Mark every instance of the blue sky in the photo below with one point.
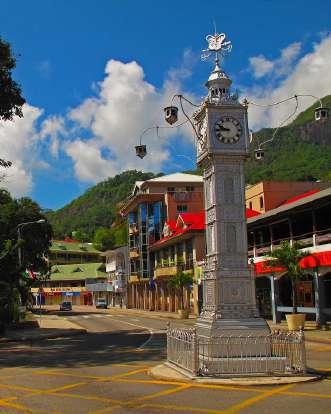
(96, 73)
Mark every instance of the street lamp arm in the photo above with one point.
(41, 221)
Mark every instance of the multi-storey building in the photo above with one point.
(73, 264)
(152, 203)
(266, 195)
(70, 251)
(117, 271)
(182, 247)
(304, 218)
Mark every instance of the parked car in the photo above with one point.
(101, 303)
(66, 306)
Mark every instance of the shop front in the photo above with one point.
(56, 295)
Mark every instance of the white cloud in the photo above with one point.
(126, 105)
(53, 127)
(311, 75)
(88, 162)
(262, 66)
(18, 143)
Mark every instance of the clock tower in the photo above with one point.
(229, 305)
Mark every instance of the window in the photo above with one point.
(261, 203)
(171, 189)
(181, 208)
(189, 188)
(251, 205)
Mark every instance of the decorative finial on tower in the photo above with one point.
(218, 45)
(218, 83)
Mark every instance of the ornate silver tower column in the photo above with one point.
(229, 306)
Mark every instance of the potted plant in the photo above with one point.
(179, 282)
(288, 257)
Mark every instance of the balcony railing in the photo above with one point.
(306, 240)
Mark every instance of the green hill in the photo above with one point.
(97, 207)
(300, 151)
(309, 114)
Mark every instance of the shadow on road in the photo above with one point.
(90, 349)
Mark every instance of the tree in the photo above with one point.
(80, 236)
(34, 244)
(11, 100)
(104, 239)
(288, 256)
(179, 282)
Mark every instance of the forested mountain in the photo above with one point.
(97, 207)
(300, 151)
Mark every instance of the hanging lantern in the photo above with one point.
(171, 114)
(141, 151)
(259, 154)
(321, 113)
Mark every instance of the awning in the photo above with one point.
(319, 259)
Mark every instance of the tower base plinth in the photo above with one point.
(224, 338)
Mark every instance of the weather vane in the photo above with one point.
(218, 45)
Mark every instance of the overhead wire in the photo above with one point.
(282, 123)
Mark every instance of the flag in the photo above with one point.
(29, 274)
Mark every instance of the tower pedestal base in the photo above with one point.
(224, 338)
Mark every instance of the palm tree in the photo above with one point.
(179, 282)
(288, 257)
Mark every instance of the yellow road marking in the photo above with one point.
(120, 378)
(88, 397)
(251, 401)
(131, 365)
(208, 386)
(65, 374)
(159, 394)
(64, 387)
(127, 374)
(179, 408)
(19, 388)
(16, 406)
(307, 394)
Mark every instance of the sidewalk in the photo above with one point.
(312, 333)
(48, 327)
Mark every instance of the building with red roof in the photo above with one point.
(181, 248)
(303, 218)
(276, 211)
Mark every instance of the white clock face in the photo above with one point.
(228, 130)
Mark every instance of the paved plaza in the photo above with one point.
(106, 370)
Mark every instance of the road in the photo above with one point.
(106, 371)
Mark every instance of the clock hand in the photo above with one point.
(222, 128)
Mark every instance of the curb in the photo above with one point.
(46, 336)
(173, 375)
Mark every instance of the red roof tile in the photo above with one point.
(187, 222)
(300, 196)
